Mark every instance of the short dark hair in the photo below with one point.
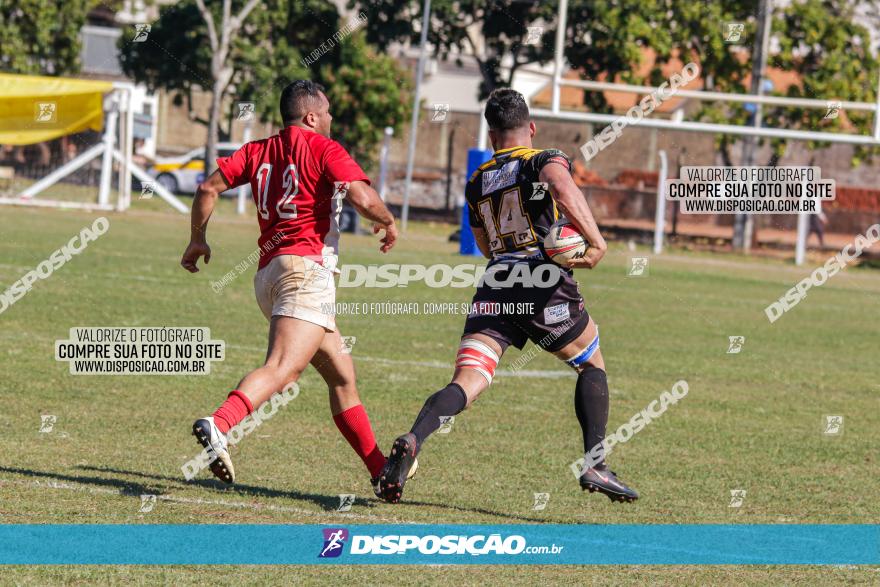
(506, 109)
(295, 97)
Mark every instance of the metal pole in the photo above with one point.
(450, 149)
(129, 148)
(123, 119)
(241, 191)
(410, 158)
(743, 226)
(383, 162)
(561, 22)
(800, 249)
(660, 214)
(483, 137)
(107, 162)
(877, 111)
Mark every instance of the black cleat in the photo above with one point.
(399, 467)
(606, 482)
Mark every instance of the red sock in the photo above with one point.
(233, 411)
(355, 427)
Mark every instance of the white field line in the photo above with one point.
(431, 364)
(194, 501)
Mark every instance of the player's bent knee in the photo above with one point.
(477, 355)
(586, 356)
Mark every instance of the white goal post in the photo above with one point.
(558, 82)
(117, 109)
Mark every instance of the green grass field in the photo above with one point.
(751, 421)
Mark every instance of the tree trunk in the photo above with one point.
(213, 128)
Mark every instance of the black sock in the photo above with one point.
(591, 407)
(449, 401)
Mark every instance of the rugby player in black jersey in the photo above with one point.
(513, 200)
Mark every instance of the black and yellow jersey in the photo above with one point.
(507, 199)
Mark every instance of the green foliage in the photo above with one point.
(367, 92)
(601, 37)
(821, 42)
(501, 27)
(41, 37)
(176, 55)
(267, 54)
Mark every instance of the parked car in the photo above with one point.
(184, 173)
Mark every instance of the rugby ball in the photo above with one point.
(564, 242)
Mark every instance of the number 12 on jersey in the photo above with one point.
(289, 181)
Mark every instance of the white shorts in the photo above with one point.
(297, 287)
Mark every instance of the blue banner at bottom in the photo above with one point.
(857, 544)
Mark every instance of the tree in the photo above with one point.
(220, 35)
(364, 97)
(264, 56)
(821, 41)
(593, 38)
(41, 37)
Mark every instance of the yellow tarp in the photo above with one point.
(34, 109)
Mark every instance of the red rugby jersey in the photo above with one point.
(294, 176)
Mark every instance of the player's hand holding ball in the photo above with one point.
(565, 245)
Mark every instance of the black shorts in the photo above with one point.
(551, 317)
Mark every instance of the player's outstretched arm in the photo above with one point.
(573, 204)
(202, 208)
(367, 203)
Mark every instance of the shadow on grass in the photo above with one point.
(129, 487)
(156, 484)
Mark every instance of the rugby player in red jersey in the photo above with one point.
(297, 178)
